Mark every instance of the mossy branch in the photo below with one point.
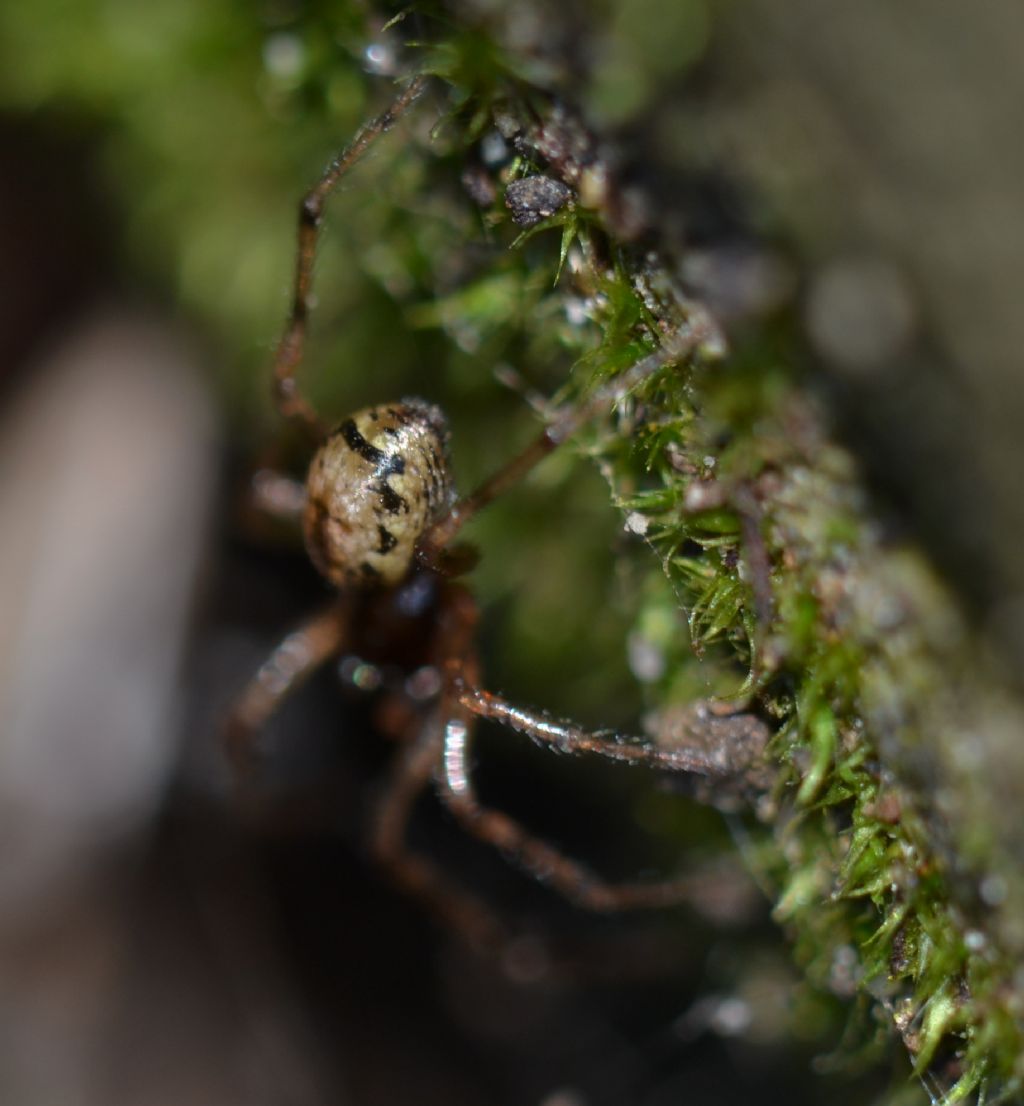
(795, 597)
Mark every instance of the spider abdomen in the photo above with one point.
(376, 484)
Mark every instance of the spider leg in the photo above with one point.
(290, 402)
(563, 425)
(710, 740)
(276, 496)
(414, 873)
(292, 661)
(270, 507)
(528, 851)
(568, 737)
(417, 768)
(461, 703)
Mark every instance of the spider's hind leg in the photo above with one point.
(419, 765)
(416, 874)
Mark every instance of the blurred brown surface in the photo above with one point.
(106, 466)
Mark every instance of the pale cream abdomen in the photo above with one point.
(374, 486)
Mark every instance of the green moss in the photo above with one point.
(841, 634)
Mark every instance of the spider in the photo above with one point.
(379, 514)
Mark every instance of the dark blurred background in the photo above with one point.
(156, 947)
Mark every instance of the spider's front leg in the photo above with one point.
(292, 661)
(708, 739)
(290, 401)
(531, 853)
(540, 859)
(700, 332)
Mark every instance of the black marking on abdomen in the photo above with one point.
(393, 466)
(358, 444)
(390, 501)
(388, 541)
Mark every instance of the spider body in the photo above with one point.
(394, 640)
(375, 485)
(379, 514)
